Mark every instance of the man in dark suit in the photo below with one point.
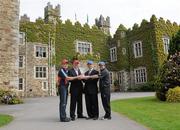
(76, 91)
(91, 92)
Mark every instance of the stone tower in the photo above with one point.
(9, 39)
(103, 24)
(51, 14)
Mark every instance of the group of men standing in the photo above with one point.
(90, 89)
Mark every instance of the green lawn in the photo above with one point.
(150, 112)
(5, 119)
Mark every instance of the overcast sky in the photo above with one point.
(126, 12)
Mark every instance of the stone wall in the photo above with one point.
(9, 31)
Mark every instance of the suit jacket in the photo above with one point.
(104, 81)
(91, 84)
(76, 86)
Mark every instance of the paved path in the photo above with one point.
(42, 114)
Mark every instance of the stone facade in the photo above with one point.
(9, 31)
(36, 75)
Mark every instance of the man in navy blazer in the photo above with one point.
(91, 92)
(76, 91)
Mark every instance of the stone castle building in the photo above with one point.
(9, 31)
(133, 55)
(25, 18)
(136, 54)
(103, 24)
(51, 14)
(36, 73)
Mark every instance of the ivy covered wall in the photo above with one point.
(150, 33)
(65, 35)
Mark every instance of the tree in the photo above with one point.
(175, 44)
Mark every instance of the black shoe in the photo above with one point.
(82, 116)
(95, 118)
(73, 118)
(66, 120)
(106, 118)
(88, 118)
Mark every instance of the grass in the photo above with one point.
(5, 119)
(150, 112)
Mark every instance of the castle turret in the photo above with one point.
(9, 39)
(103, 24)
(25, 18)
(51, 14)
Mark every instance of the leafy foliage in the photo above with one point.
(173, 95)
(8, 96)
(175, 43)
(65, 35)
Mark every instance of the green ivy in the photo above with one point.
(151, 34)
(65, 35)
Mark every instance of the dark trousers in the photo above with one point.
(63, 95)
(76, 100)
(106, 103)
(92, 105)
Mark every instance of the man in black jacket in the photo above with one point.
(76, 91)
(104, 84)
(91, 92)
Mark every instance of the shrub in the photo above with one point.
(168, 77)
(8, 96)
(173, 95)
(147, 87)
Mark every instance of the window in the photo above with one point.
(124, 51)
(21, 38)
(111, 77)
(138, 49)
(40, 72)
(45, 85)
(120, 77)
(140, 75)
(83, 47)
(21, 84)
(166, 44)
(41, 51)
(21, 61)
(113, 54)
(123, 34)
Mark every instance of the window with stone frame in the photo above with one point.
(21, 38)
(21, 61)
(137, 46)
(113, 54)
(45, 85)
(83, 47)
(166, 42)
(41, 52)
(21, 84)
(40, 72)
(140, 75)
(120, 77)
